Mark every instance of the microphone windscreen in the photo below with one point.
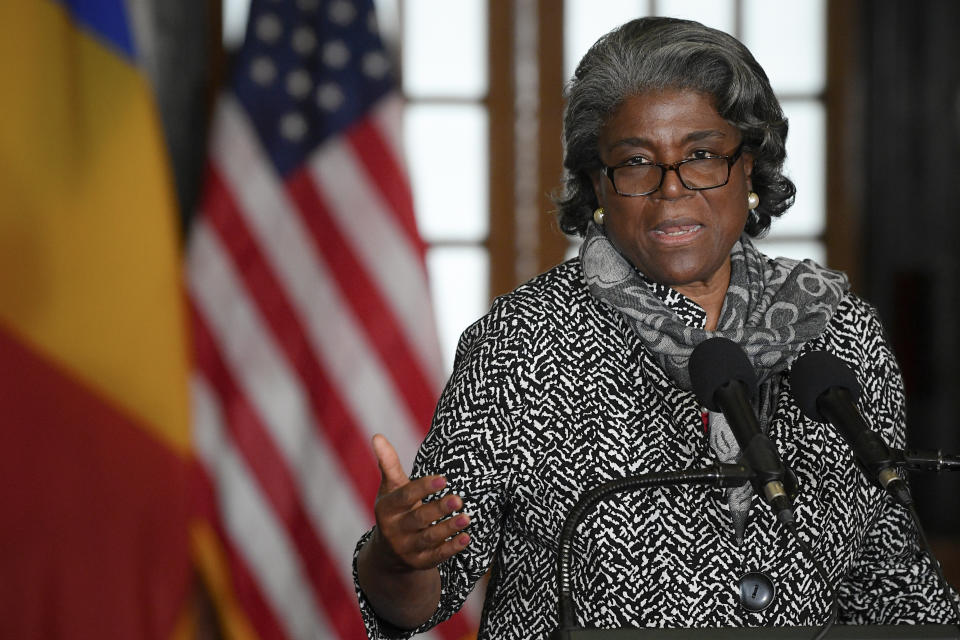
(714, 363)
(814, 373)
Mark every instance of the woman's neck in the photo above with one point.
(709, 295)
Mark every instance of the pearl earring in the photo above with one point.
(598, 215)
(753, 201)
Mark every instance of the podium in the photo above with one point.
(839, 632)
(720, 475)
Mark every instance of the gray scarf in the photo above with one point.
(772, 307)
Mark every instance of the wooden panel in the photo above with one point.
(500, 102)
(844, 139)
(553, 243)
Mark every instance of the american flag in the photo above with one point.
(311, 319)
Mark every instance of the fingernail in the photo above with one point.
(462, 521)
(452, 503)
(463, 540)
(439, 482)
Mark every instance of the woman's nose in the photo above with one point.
(672, 186)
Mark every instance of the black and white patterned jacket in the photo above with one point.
(552, 394)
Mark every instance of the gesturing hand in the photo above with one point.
(406, 538)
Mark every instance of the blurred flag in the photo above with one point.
(93, 360)
(311, 318)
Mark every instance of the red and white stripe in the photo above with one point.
(313, 331)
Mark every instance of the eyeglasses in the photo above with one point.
(631, 178)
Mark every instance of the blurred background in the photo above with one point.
(872, 92)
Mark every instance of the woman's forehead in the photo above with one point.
(669, 116)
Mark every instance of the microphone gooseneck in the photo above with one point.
(827, 624)
(723, 380)
(826, 390)
(921, 460)
(932, 560)
(720, 475)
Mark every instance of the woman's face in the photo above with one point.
(675, 236)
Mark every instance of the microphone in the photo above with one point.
(921, 460)
(826, 390)
(723, 380)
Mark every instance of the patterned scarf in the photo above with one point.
(772, 307)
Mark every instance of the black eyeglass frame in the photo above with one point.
(731, 160)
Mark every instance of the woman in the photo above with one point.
(674, 144)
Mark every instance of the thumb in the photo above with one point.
(392, 475)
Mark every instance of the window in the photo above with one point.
(798, 80)
(444, 79)
(483, 85)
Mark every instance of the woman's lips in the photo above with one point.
(675, 233)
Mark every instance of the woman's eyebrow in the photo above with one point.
(632, 142)
(693, 136)
(696, 136)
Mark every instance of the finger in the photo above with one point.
(421, 517)
(432, 557)
(447, 550)
(434, 536)
(392, 475)
(410, 495)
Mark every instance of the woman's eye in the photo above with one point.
(699, 154)
(635, 160)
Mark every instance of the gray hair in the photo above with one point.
(667, 53)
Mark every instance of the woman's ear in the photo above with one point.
(596, 177)
(748, 169)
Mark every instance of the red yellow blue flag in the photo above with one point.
(95, 445)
